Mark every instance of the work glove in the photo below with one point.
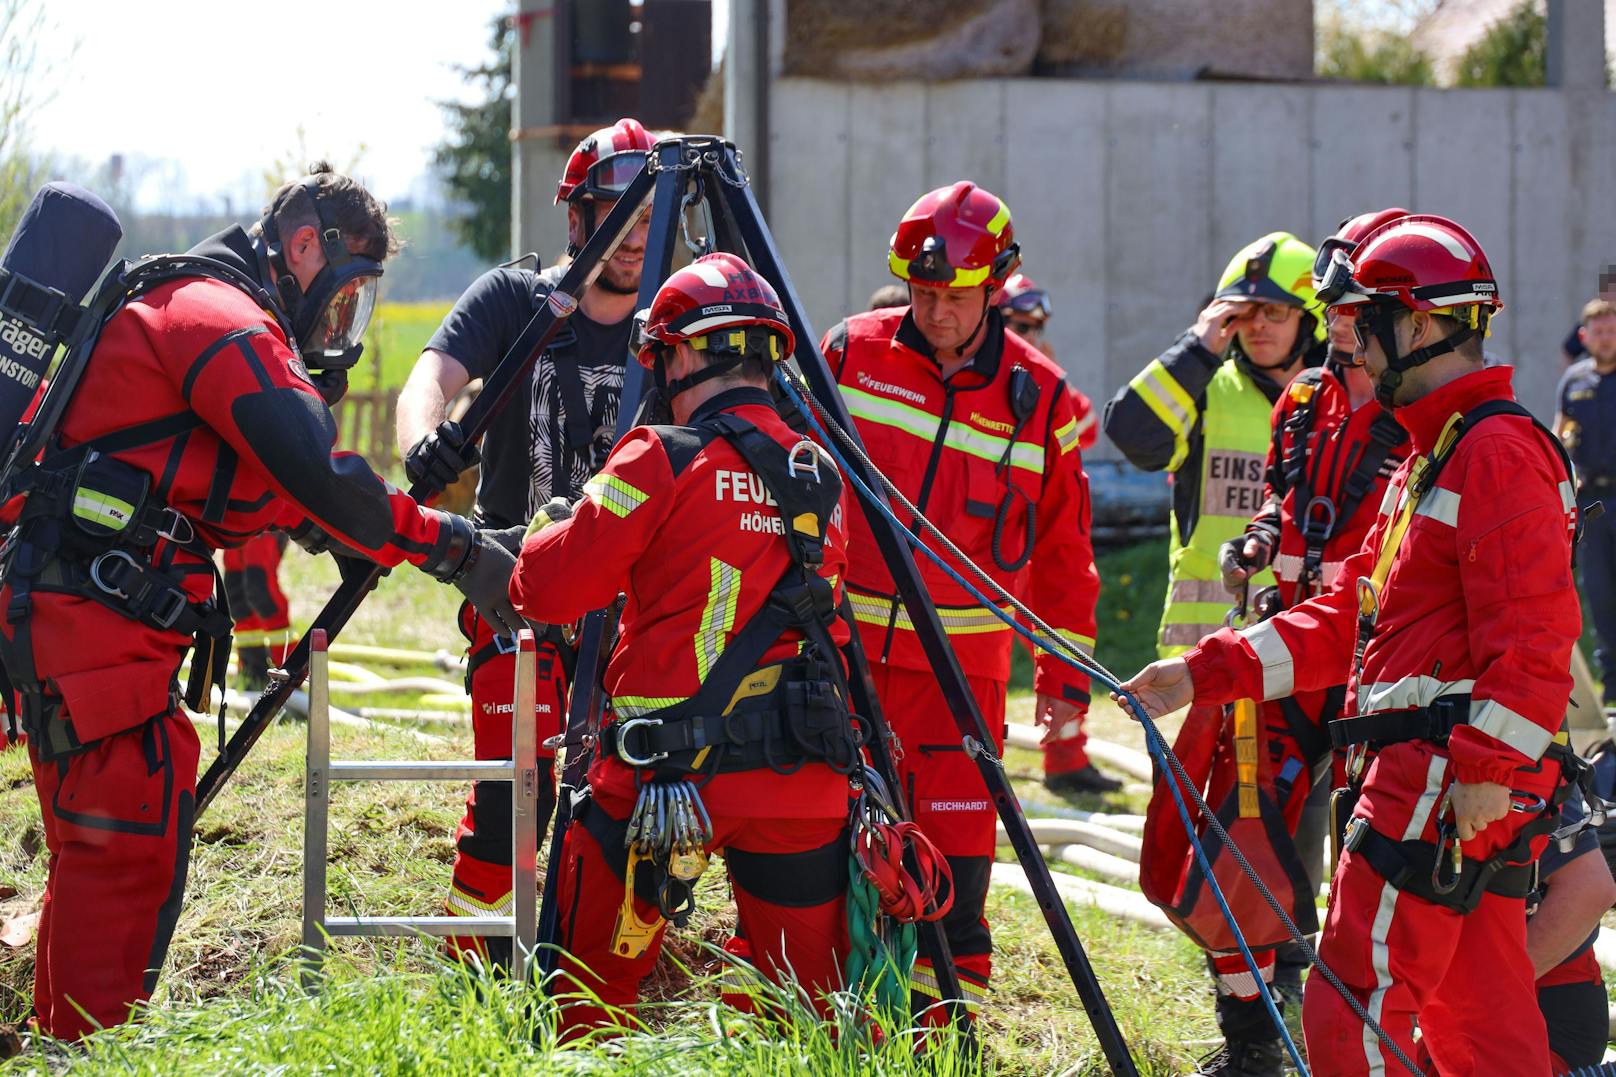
(1241, 558)
(552, 511)
(509, 539)
(480, 567)
(439, 458)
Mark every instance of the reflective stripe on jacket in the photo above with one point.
(1207, 421)
(1479, 599)
(958, 450)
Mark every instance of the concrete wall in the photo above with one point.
(1128, 197)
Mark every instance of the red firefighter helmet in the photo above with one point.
(603, 165)
(955, 237)
(1420, 262)
(1350, 233)
(1023, 295)
(715, 292)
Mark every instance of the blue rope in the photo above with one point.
(1153, 740)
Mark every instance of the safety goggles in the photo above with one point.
(336, 313)
(1031, 303)
(1277, 313)
(1332, 271)
(610, 176)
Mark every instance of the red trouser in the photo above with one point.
(789, 938)
(117, 821)
(950, 803)
(252, 582)
(1465, 978)
(482, 865)
(1064, 748)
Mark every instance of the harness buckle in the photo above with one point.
(1368, 600)
(180, 530)
(628, 756)
(1318, 519)
(796, 466)
(504, 644)
(168, 607)
(96, 570)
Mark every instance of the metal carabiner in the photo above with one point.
(1368, 600)
(1447, 839)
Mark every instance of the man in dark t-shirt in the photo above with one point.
(546, 443)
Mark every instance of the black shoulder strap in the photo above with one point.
(124, 284)
(1293, 467)
(802, 599)
(1386, 434)
(683, 443)
(1487, 410)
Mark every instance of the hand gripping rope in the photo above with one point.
(837, 442)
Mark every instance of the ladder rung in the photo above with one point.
(420, 925)
(410, 770)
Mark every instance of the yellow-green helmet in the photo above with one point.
(1278, 268)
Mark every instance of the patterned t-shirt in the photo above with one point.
(526, 455)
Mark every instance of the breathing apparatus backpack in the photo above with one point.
(61, 246)
(87, 521)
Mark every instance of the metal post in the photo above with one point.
(316, 808)
(524, 806)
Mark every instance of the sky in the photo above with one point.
(243, 85)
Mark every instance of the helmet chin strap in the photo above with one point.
(1391, 379)
(716, 365)
(975, 329)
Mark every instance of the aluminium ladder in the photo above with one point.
(322, 772)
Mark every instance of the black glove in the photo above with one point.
(332, 385)
(440, 457)
(480, 568)
(1236, 566)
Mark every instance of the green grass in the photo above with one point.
(226, 1003)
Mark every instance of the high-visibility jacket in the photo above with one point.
(1206, 420)
(688, 533)
(1328, 466)
(956, 448)
(1479, 601)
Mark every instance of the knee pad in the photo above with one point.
(793, 880)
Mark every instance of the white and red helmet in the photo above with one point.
(1417, 262)
(714, 294)
(1420, 262)
(603, 165)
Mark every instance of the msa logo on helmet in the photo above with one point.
(25, 343)
(722, 308)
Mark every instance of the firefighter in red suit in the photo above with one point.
(546, 443)
(252, 581)
(976, 427)
(725, 532)
(1333, 451)
(1455, 622)
(197, 426)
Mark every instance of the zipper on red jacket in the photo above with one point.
(921, 497)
